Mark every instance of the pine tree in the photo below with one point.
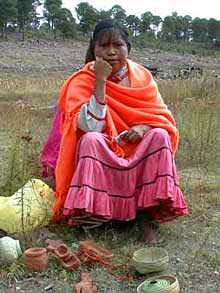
(25, 12)
(7, 14)
(52, 9)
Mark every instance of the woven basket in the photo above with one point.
(150, 259)
(160, 284)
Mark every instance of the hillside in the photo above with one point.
(45, 56)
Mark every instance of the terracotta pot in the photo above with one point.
(92, 250)
(53, 244)
(71, 264)
(63, 252)
(36, 258)
(85, 285)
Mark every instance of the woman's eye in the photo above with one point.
(118, 44)
(103, 45)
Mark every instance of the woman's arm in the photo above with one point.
(92, 116)
(102, 71)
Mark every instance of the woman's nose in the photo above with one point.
(111, 50)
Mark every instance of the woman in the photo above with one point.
(118, 139)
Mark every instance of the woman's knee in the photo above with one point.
(161, 135)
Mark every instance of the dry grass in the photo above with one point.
(195, 104)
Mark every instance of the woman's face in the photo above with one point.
(113, 49)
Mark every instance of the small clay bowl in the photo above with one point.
(36, 258)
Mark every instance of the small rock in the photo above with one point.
(179, 260)
(49, 287)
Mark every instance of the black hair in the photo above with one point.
(108, 25)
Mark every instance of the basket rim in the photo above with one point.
(173, 277)
(163, 254)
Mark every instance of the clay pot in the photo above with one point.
(10, 250)
(36, 258)
(68, 260)
(85, 285)
(71, 264)
(63, 252)
(92, 250)
(53, 244)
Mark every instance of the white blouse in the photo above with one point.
(92, 115)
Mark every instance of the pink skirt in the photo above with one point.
(115, 188)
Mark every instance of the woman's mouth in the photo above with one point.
(112, 62)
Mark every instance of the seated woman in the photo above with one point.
(118, 139)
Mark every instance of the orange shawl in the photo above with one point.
(139, 104)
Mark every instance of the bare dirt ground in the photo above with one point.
(45, 56)
(192, 242)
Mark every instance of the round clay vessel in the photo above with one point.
(36, 258)
(10, 250)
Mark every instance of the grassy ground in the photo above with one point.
(192, 242)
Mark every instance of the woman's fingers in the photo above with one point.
(136, 133)
(132, 136)
(102, 68)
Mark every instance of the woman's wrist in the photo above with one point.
(100, 79)
(98, 100)
(99, 90)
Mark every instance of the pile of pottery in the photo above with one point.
(36, 258)
(144, 260)
(67, 259)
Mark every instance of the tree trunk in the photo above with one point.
(6, 32)
(2, 32)
(22, 22)
(23, 33)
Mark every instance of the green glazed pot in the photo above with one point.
(10, 250)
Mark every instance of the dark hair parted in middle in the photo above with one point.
(104, 26)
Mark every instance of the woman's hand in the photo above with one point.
(102, 69)
(136, 133)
